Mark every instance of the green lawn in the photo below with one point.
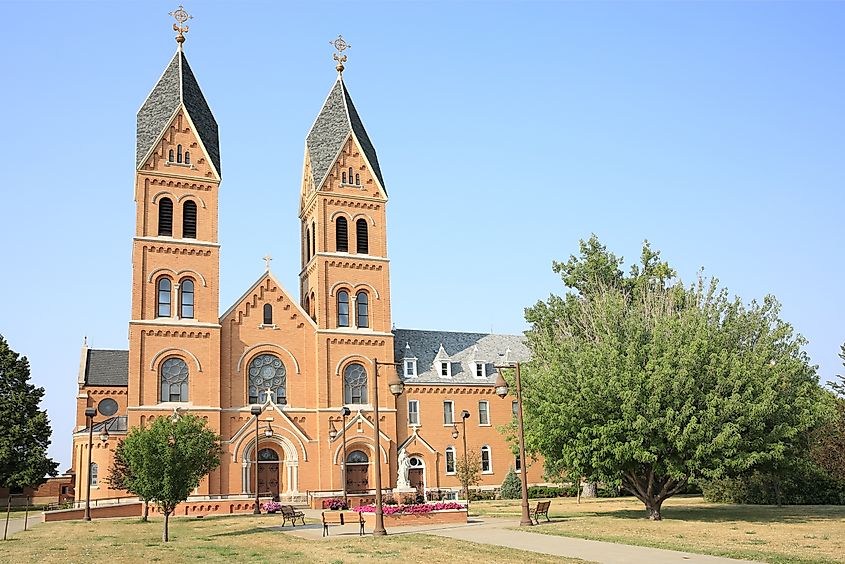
(234, 539)
(800, 534)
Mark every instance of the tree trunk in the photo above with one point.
(589, 489)
(146, 515)
(653, 509)
(164, 536)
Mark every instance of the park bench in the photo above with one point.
(337, 518)
(542, 508)
(289, 513)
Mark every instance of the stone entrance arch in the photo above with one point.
(288, 465)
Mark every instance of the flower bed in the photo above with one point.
(412, 509)
(334, 504)
(271, 507)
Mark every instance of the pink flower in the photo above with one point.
(409, 509)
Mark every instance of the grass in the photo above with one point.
(236, 538)
(790, 534)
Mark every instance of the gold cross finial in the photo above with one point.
(341, 45)
(181, 16)
(267, 260)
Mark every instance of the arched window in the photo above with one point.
(361, 236)
(486, 465)
(343, 308)
(313, 310)
(314, 240)
(94, 474)
(307, 245)
(174, 380)
(178, 153)
(163, 297)
(343, 178)
(268, 314)
(267, 371)
(268, 455)
(357, 180)
(186, 299)
(170, 155)
(362, 308)
(350, 175)
(187, 157)
(358, 457)
(165, 217)
(307, 304)
(189, 220)
(355, 384)
(341, 235)
(450, 460)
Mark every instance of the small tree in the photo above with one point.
(512, 486)
(25, 433)
(469, 471)
(166, 461)
(120, 476)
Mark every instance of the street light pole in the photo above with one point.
(256, 411)
(89, 418)
(502, 391)
(345, 413)
(464, 417)
(396, 387)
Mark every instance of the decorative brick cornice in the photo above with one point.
(176, 333)
(184, 185)
(355, 265)
(174, 250)
(358, 342)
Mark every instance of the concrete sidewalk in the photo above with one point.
(500, 532)
(16, 523)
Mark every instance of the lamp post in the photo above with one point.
(396, 386)
(344, 412)
(502, 391)
(464, 417)
(104, 436)
(256, 411)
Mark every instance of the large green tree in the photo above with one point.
(166, 461)
(641, 381)
(828, 448)
(120, 478)
(24, 427)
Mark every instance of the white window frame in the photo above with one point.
(486, 411)
(410, 368)
(450, 450)
(416, 411)
(448, 366)
(94, 475)
(483, 367)
(452, 406)
(489, 460)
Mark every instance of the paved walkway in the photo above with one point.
(16, 522)
(500, 532)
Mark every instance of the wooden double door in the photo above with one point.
(269, 476)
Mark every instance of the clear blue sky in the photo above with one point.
(506, 132)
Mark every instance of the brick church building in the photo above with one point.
(301, 357)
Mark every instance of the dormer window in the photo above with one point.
(357, 180)
(343, 178)
(445, 369)
(480, 370)
(410, 368)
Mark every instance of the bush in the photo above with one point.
(535, 492)
(511, 487)
(478, 495)
(807, 486)
(389, 500)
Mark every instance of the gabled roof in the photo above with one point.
(461, 349)
(337, 119)
(176, 87)
(107, 368)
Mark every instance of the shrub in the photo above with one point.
(477, 495)
(511, 487)
(389, 500)
(807, 486)
(271, 507)
(416, 508)
(535, 492)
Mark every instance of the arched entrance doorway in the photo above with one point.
(357, 472)
(269, 478)
(416, 474)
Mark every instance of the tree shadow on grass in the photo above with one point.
(240, 532)
(732, 513)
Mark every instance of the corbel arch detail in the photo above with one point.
(178, 274)
(268, 345)
(354, 442)
(162, 352)
(354, 287)
(340, 212)
(366, 362)
(365, 216)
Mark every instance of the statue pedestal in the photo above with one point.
(404, 490)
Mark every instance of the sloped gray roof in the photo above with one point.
(337, 118)
(107, 368)
(177, 85)
(117, 424)
(460, 347)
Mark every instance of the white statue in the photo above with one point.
(404, 467)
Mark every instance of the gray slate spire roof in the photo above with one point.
(177, 86)
(107, 368)
(336, 120)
